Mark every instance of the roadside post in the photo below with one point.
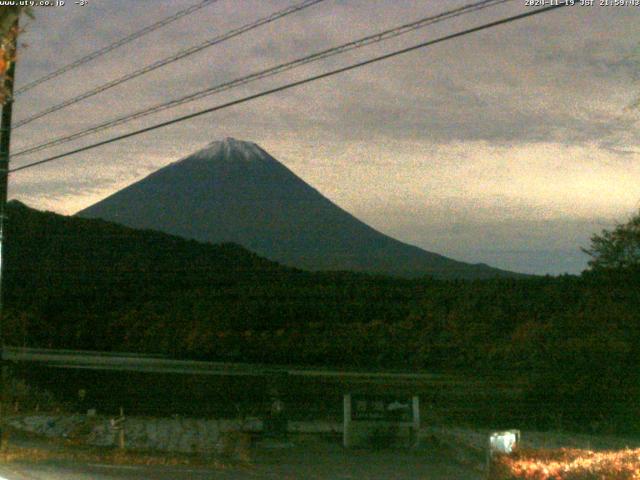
(117, 425)
(501, 443)
(276, 421)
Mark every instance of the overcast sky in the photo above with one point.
(510, 146)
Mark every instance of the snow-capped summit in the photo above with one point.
(230, 148)
(234, 191)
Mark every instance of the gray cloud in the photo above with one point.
(478, 118)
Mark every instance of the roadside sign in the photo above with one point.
(368, 416)
(381, 408)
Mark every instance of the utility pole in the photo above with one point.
(5, 142)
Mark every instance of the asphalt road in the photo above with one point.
(311, 464)
(283, 471)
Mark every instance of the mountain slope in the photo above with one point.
(234, 191)
(69, 256)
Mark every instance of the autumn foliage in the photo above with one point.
(6, 57)
(8, 35)
(566, 464)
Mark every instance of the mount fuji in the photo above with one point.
(234, 191)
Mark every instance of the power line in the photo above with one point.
(294, 84)
(362, 42)
(173, 58)
(123, 41)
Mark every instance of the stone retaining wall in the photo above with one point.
(177, 434)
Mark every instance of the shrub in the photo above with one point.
(566, 464)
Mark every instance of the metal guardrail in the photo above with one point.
(25, 351)
(92, 360)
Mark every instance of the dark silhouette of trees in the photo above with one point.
(618, 248)
(572, 341)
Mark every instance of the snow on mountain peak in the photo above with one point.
(232, 149)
